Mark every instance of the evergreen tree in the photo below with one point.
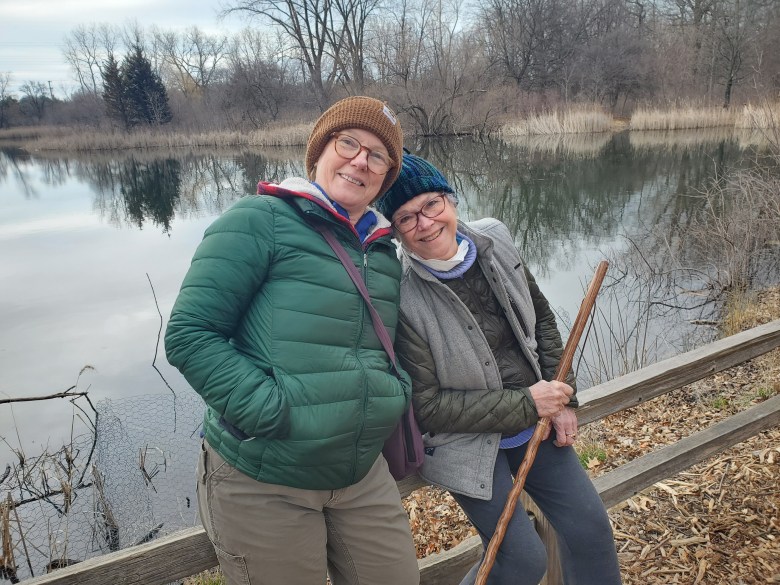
(114, 94)
(146, 96)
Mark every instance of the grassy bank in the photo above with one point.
(578, 120)
(585, 121)
(759, 117)
(681, 118)
(754, 117)
(80, 140)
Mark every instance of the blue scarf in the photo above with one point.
(460, 269)
(363, 226)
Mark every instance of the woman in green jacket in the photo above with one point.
(481, 344)
(269, 329)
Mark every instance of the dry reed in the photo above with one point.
(7, 560)
(681, 118)
(103, 512)
(34, 132)
(89, 141)
(581, 121)
(759, 117)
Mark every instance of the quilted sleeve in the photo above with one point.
(440, 409)
(227, 270)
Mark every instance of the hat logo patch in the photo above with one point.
(389, 115)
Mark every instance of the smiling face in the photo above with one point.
(433, 238)
(350, 183)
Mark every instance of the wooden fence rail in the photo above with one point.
(189, 551)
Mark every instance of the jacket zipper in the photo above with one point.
(359, 337)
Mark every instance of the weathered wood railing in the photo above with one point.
(189, 551)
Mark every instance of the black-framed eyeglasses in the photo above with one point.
(430, 209)
(349, 147)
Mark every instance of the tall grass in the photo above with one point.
(83, 141)
(759, 117)
(34, 132)
(581, 121)
(681, 118)
(740, 312)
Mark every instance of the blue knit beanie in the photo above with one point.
(417, 176)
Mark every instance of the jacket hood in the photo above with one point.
(300, 187)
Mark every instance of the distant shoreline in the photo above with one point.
(573, 121)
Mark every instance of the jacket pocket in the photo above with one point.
(233, 430)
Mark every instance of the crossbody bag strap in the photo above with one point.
(343, 255)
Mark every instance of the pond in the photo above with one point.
(94, 248)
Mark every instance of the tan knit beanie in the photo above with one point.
(361, 112)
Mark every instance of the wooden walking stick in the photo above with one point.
(541, 427)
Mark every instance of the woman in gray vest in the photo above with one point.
(480, 342)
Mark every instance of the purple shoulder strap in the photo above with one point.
(343, 255)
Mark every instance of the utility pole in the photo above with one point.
(51, 93)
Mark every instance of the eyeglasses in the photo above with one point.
(430, 209)
(349, 147)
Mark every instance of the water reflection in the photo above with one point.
(545, 189)
(558, 205)
(570, 201)
(152, 188)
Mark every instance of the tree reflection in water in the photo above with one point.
(569, 200)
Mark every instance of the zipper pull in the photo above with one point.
(365, 260)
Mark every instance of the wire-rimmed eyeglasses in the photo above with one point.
(430, 209)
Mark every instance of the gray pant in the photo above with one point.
(277, 535)
(560, 487)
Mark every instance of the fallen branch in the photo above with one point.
(65, 394)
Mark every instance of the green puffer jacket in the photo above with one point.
(269, 329)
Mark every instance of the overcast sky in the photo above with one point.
(32, 32)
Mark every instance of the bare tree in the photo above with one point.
(348, 41)
(86, 49)
(36, 96)
(427, 62)
(5, 98)
(259, 79)
(737, 25)
(613, 66)
(307, 23)
(532, 42)
(192, 59)
(765, 69)
(397, 51)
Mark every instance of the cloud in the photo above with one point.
(33, 32)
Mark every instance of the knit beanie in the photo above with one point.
(361, 112)
(417, 176)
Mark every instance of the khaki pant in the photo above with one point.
(266, 534)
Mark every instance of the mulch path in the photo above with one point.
(716, 523)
